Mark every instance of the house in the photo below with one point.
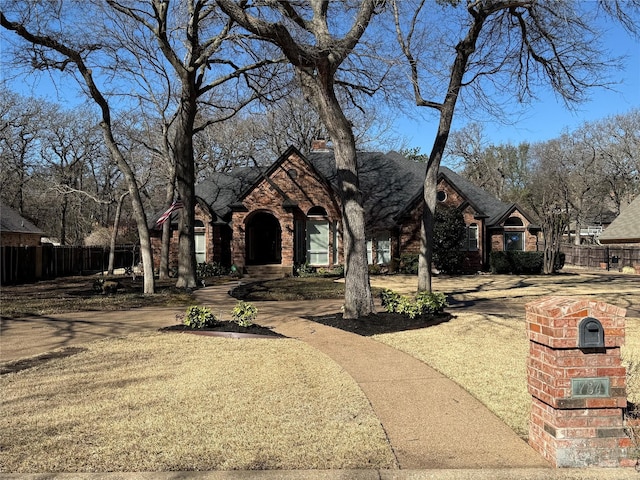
(625, 228)
(17, 231)
(289, 213)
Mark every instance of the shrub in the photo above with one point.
(244, 313)
(449, 233)
(521, 262)
(390, 300)
(199, 317)
(304, 270)
(409, 263)
(204, 270)
(423, 303)
(431, 302)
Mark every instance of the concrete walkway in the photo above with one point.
(430, 421)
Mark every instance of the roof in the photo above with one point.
(399, 177)
(626, 227)
(485, 204)
(390, 183)
(12, 221)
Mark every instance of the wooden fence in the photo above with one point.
(28, 264)
(602, 257)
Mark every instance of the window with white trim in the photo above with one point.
(318, 242)
(472, 237)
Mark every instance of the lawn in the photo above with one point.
(177, 401)
(183, 402)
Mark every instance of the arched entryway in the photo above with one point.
(263, 237)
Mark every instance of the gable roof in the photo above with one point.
(485, 204)
(390, 183)
(626, 227)
(12, 221)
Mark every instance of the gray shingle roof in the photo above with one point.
(626, 227)
(390, 183)
(12, 221)
(483, 202)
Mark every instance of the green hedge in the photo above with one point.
(521, 262)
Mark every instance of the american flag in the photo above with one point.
(176, 205)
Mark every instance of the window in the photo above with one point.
(513, 222)
(513, 241)
(199, 240)
(318, 242)
(441, 196)
(472, 237)
(382, 251)
(383, 248)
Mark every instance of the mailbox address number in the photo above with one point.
(590, 387)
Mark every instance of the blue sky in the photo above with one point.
(546, 118)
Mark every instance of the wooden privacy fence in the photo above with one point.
(28, 264)
(604, 257)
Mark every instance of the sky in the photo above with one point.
(546, 118)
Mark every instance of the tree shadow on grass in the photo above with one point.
(380, 323)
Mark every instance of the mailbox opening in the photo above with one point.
(590, 333)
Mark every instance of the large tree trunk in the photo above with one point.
(185, 180)
(358, 300)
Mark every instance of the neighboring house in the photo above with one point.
(289, 213)
(17, 231)
(625, 228)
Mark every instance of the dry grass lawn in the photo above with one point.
(165, 402)
(486, 353)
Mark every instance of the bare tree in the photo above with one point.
(49, 45)
(504, 45)
(548, 197)
(303, 32)
(191, 37)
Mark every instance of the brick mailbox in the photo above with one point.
(577, 382)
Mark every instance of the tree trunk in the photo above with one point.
(185, 180)
(426, 229)
(114, 233)
(358, 300)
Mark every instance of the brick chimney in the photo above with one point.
(319, 145)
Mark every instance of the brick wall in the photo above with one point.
(304, 188)
(567, 428)
(15, 239)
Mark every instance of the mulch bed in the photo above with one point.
(382, 322)
(227, 329)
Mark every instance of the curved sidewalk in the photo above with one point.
(431, 422)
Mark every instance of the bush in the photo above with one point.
(199, 317)
(244, 313)
(204, 270)
(305, 270)
(449, 233)
(521, 262)
(409, 263)
(424, 303)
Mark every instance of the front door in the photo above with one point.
(263, 240)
